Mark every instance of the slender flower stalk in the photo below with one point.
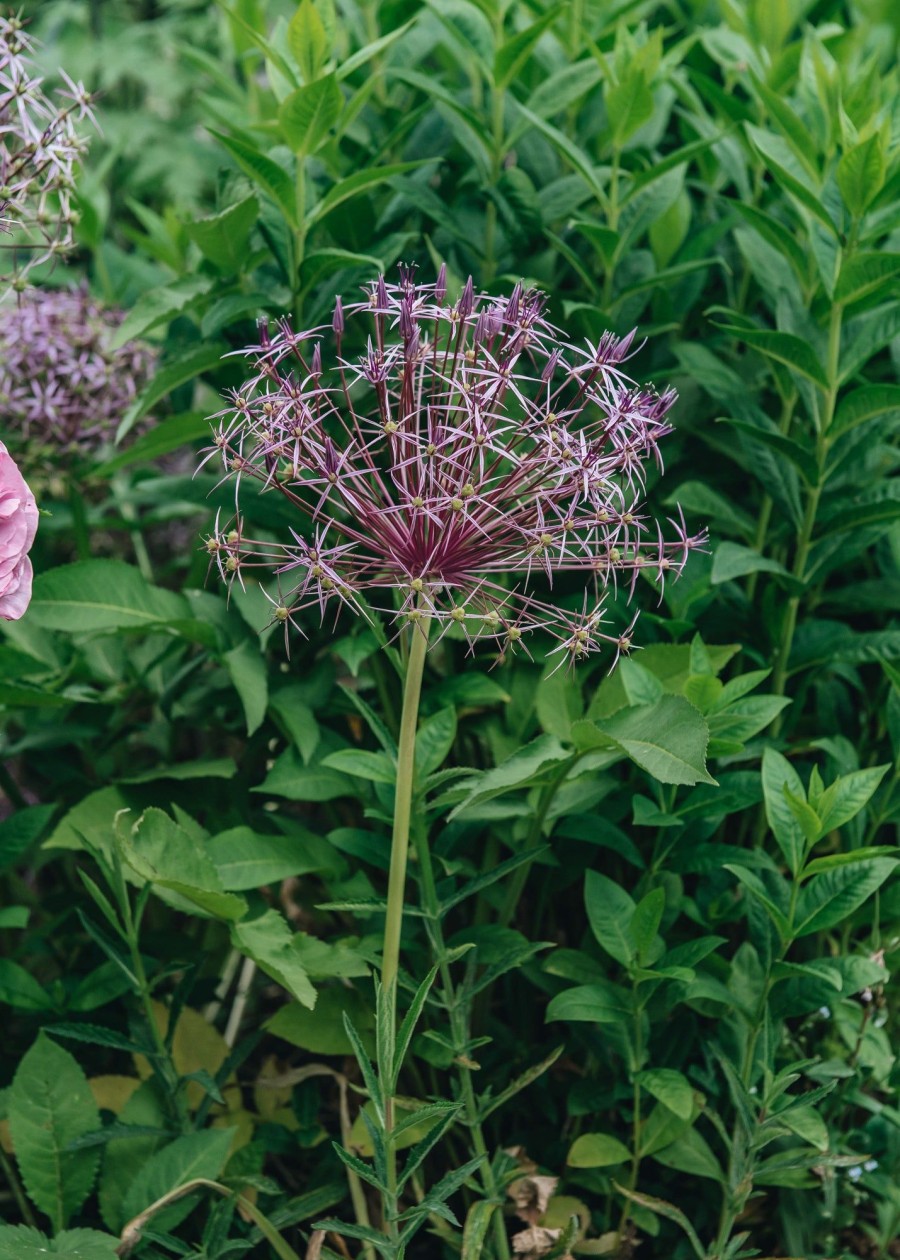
(393, 925)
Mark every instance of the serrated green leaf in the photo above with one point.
(270, 943)
(201, 1154)
(21, 1242)
(667, 739)
(50, 1105)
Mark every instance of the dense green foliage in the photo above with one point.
(665, 908)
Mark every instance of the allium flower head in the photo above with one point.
(39, 150)
(61, 385)
(454, 470)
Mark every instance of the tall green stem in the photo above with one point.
(460, 1031)
(804, 540)
(406, 767)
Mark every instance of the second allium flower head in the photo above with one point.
(40, 147)
(451, 471)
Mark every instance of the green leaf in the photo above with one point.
(690, 1153)
(860, 174)
(50, 1105)
(223, 237)
(862, 274)
(800, 455)
(376, 767)
(101, 595)
(246, 668)
(408, 1026)
(201, 1154)
(219, 768)
(297, 718)
(663, 1208)
(295, 782)
(184, 367)
(359, 182)
(610, 913)
(783, 348)
(366, 53)
(754, 885)
(321, 1030)
(864, 404)
(778, 158)
(775, 234)
(517, 771)
(671, 1088)
(265, 173)
(849, 794)
(877, 505)
(307, 116)
(791, 127)
(165, 855)
(575, 156)
(478, 1219)
(469, 28)
(667, 739)
(731, 561)
(850, 858)
(866, 335)
(806, 817)
(307, 40)
(645, 923)
(807, 1124)
(590, 1004)
(521, 1082)
(778, 774)
(597, 1150)
(830, 898)
(512, 55)
(124, 1158)
(629, 103)
(21, 1242)
(159, 305)
(434, 740)
(168, 435)
(19, 988)
(20, 830)
(246, 859)
(270, 942)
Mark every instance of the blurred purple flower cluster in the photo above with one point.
(62, 386)
(39, 151)
(467, 457)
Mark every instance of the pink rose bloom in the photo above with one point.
(18, 526)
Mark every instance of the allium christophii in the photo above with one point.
(39, 151)
(464, 468)
(62, 387)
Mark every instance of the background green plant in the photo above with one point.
(700, 970)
